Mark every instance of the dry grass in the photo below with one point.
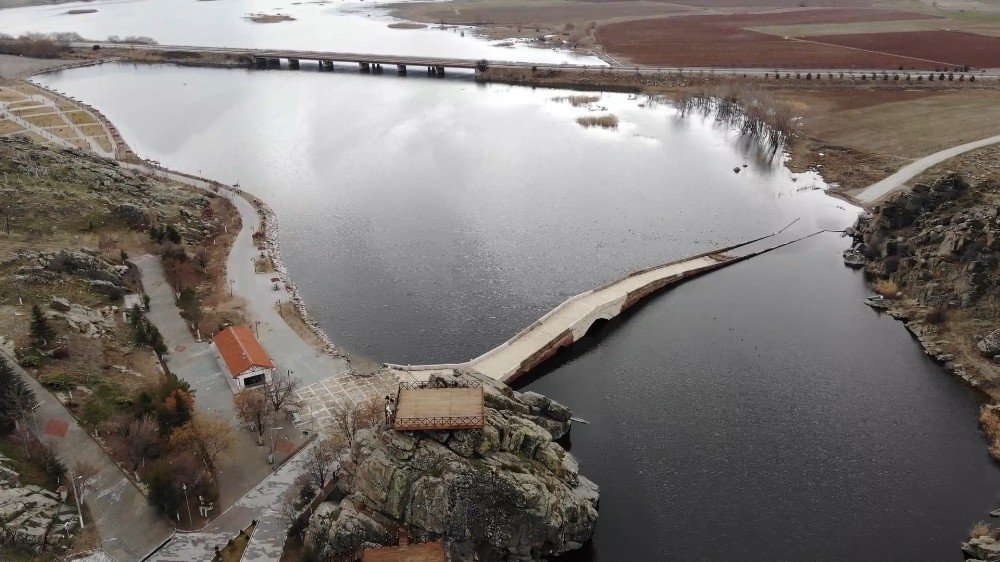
(47, 120)
(577, 101)
(7, 127)
(81, 117)
(604, 121)
(980, 529)
(989, 419)
(34, 110)
(887, 288)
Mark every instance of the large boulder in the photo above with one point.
(986, 549)
(990, 345)
(505, 492)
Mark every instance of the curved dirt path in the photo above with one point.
(896, 181)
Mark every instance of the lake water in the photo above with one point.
(338, 26)
(427, 220)
(760, 412)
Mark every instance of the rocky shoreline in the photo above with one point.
(933, 253)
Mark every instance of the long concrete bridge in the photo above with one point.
(578, 315)
(367, 62)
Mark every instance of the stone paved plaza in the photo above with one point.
(319, 399)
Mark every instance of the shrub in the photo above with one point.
(604, 121)
(57, 381)
(171, 233)
(887, 288)
(989, 419)
(891, 263)
(51, 464)
(936, 315)
(980, 529)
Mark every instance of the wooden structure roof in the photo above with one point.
(432, 407)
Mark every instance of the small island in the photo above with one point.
(269, 18)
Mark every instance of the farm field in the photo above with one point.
(948, 47)
(723, 40)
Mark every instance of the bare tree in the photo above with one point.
(135, 440)
(321, 461)
(207, 438)
(85, 472)
(254, 409)
(348, 418)
(280, 390)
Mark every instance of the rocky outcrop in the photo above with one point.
(984, 549)
(88, 321)
(990, 345)
(32, 518)
(940, 244)
(506, 492)
(941, 241)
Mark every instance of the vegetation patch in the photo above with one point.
(603, 121)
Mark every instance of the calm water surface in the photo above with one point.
(339, 26)
(428, 220)
(761, 412)
(757, 413)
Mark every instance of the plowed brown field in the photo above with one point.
(720, 40)
(951, 47)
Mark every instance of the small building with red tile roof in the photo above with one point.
(242, 357)
(418, 552)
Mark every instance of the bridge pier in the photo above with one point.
(327, 65)
(401, 69)
(435, 71)
(377, 68)
(293, 64)
(260, 62)
(274, 63)
(365, 67)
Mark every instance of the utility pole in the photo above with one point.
(76, 496)
(185, 487)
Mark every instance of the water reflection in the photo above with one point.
(429, 220)
(349, 27)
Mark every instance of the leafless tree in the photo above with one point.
(86, 473)
(321, 461)
(207, 438)
(135, 440)
(280, 390)
(348, 418)
(254, 409)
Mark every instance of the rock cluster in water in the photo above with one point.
(506, 492)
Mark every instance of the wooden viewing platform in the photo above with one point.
(429, 407)
(422, 552)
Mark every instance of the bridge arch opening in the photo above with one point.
(596, 327)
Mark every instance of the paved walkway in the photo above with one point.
(896, 181)
(245, 465)
(262, 503)
(190, 360)
(289, 351)
(130, 527)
